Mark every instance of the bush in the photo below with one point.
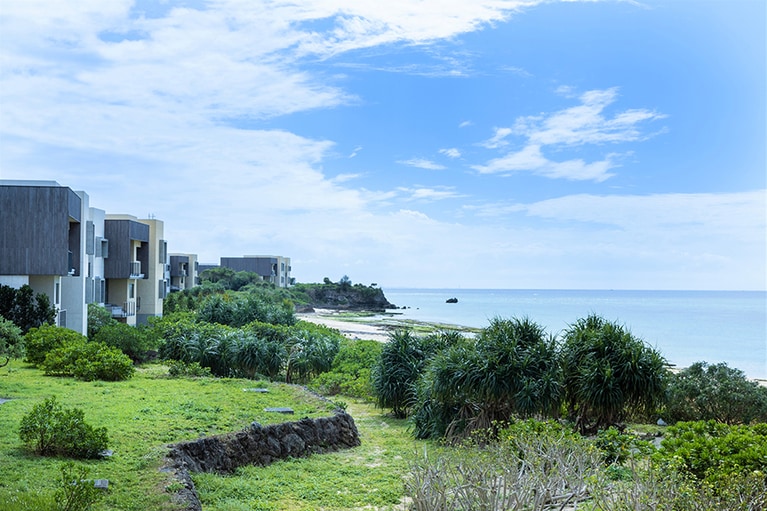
(39, 341)
(617, 447)
(51, 430)
(88, 362)
(75, 492)
(712, 450)
(530, 468)
(178, 369)
(133, 341)
(350, 373)
(715, 392)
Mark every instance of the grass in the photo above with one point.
(368, 477)
(142, 415)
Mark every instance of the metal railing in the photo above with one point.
(135, 270)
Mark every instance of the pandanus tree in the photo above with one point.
(403, 358)
(511, 369)
(608, 372)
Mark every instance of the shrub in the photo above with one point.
(75, 491)
(88, 362)
(617, 447)
(50, 430)
(351, 369)
(715, 392)
(530, 468)
(608, 371)
(712, 450)
(257, 356)
(133, 341)
(39, 341)
(310, 352)
(177, 369)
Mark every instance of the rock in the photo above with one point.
(451, 300)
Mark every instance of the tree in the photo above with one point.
(26, 308)
(511, 369)
(397, 371)
(10, 341)
(133, 341)
(715, 392)
(608, 371)
(98, 317)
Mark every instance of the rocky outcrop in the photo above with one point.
(357, 297)
(258, 445)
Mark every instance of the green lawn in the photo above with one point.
(144, 414)
(367, 477)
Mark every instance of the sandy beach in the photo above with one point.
(350, 329)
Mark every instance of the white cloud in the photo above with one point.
(430, 194)
(531, 159)
(585, 123)
(422, 163)
(451, 152)
(580, 125)
(498, 139)
(465, 124)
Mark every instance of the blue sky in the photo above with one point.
(482, 144)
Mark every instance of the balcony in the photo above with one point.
(135, 270)
(127, 309)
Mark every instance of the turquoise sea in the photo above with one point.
(685, 326)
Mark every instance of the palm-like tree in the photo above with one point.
(395, 376)
(607, 372)
(511, 369)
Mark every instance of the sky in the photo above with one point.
(435, 143)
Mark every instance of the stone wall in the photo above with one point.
(258, 445)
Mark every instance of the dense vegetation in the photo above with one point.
(531, 420)
(25, 308)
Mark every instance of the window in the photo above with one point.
(57, 293)
(131, 290)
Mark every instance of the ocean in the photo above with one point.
(684, 326)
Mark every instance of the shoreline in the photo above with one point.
(377, 326)
(374, 326)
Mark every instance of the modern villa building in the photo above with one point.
(183, 271)
(53, 241)
(274, 269)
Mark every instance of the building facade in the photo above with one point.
(274, 269)
(48, 238)
(184, 270)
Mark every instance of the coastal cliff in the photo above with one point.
(343, 295)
